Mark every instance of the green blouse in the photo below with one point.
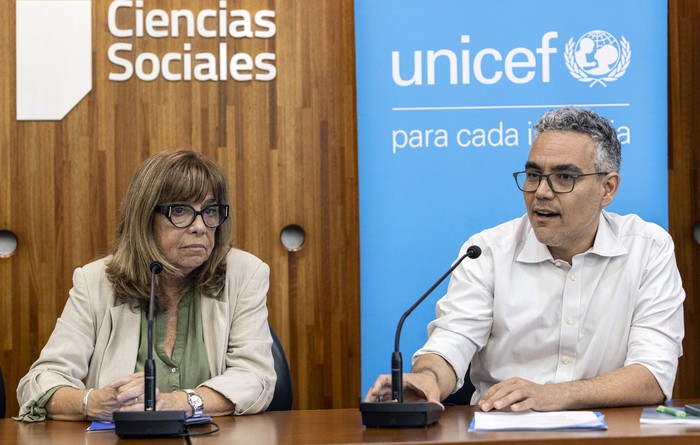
(188, 367)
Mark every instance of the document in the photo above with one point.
(533, 420)
(96, 425)
(100, 426)
(650, 416)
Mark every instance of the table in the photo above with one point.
(345, 426)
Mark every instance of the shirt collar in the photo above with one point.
(606, 244)
(606, 241)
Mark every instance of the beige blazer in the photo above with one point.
(96, 339)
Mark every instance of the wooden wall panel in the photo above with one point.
(288, 145)
(684, 177)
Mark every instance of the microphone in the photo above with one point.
(149, 423)
(397, 413)
(149, 370)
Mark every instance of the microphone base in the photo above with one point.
(149, 423)
(400, 415)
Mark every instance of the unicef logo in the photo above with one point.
(597, 57)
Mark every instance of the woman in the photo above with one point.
(211, 337)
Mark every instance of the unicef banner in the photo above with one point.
(448, 92)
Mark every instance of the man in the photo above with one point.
(568, 306)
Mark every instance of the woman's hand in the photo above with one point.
(101, 403)
(130, 392)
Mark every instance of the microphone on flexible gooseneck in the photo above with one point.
(396, 413)
(149, 422)
(149, 369)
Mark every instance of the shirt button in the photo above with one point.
(557, 263)
(173, 370)
(566, 360)
(569, 321)
(572, 277)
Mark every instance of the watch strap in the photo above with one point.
(195, 402)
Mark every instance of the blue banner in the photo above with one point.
(447, 93)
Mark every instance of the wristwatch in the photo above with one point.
(195, 402)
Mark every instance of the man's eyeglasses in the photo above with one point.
(558, 182)
(183, 215)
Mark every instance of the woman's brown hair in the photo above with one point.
(167, 177)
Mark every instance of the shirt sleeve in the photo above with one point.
(657, 325)
(249, 378)
(464, 315)
(37, 412)
(65, 358)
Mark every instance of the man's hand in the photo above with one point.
(432, 379)
(417, 386)
(630, 385)
(520, 394)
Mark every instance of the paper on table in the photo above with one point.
(109, 426)
(100, 426)
(652, 417)
(532, 420)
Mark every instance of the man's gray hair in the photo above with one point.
(608, 152)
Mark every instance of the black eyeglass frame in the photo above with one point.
(166, 210)
(549, 181)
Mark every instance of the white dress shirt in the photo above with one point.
(517, 312)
